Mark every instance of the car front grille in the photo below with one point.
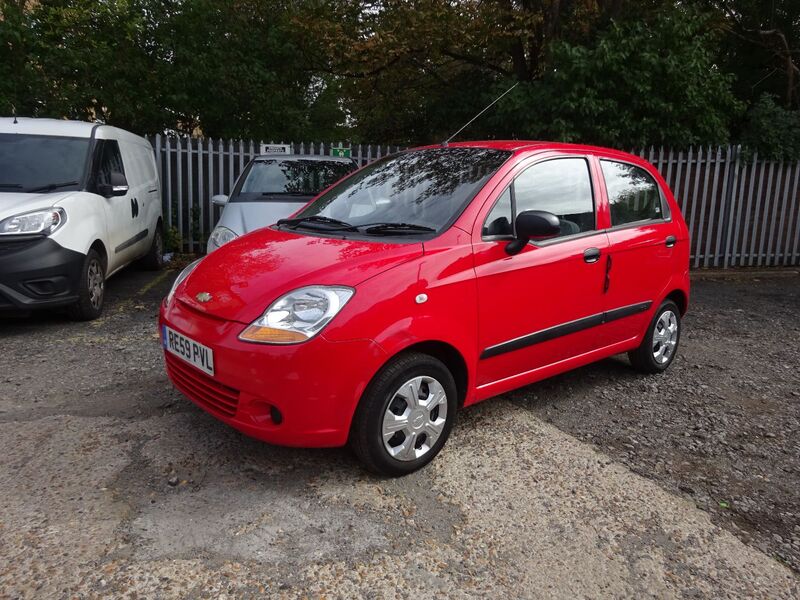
(201, 388)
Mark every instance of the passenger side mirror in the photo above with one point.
(117, 186)
(219, 200)
(533, 225)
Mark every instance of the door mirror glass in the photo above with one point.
(219, 200)
(533, 225)
(117, 185)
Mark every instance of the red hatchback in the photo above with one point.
(428, 281)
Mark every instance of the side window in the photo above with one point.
(633, 194)
(499, 220)
(109, 161)
(563, 187)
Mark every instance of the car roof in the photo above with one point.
(64, 128)
(279, 156)
(516, 146)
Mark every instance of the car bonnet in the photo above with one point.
(240, 280)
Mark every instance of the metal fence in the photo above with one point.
(741, 210)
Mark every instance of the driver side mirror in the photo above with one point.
(533, 225)
(117, 186)
(219, 200)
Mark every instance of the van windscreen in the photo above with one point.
(41, 162)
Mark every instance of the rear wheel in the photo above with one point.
(405, 415)
(91, 289)
(660, 344)
(154, 259)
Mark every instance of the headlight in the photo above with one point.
(221, 236)
(40, 221)
(298, 315)
(184, 274)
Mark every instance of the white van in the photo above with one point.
(78, 202)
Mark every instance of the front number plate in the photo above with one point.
(194, 353)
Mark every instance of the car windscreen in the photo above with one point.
(426, 189)
(41, 162)
(289, 177)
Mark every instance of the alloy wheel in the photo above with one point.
(665, 337)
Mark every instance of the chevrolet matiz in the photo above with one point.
(425, 282)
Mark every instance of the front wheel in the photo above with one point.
(660, 343)
(91, 289)
(405, 415)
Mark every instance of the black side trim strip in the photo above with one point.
(127, 244)
(557, 331)
(626, 311)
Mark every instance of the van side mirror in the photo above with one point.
(117, 185)
(533, 225)
(219, 200)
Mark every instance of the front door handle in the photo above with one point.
(591, 255)
(670, 241)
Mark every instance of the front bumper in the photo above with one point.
(315, 386)
(37, 272)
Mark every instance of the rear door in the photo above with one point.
(642, 236)
(543, 305)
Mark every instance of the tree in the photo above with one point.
(638, 83)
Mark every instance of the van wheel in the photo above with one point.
(660, 343)
(405, 415)
(154, 259)
(91, 289)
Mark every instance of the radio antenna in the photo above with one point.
(495, 101)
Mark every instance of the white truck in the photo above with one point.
(78, 202)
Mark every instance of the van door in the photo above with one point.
(642, 241)
(541, 306)
(120, 211)
(139, 186)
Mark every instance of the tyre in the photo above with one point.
(405, 415)
(660, 344)
(154, 259)
(91, 289)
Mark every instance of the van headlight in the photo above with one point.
(183, 275)
(221, 236)
(39, 221)
(298, 315)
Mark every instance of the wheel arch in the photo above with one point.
(447, 354)
(680, 298)
(99, 247)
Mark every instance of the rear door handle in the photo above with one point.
(591, 255)
(670, 241)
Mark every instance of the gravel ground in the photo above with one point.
(597, 483)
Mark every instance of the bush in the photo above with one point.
(771, 130)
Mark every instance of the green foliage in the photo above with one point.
(614, 72)
(772, 130)
(173, 242)
(638, 83)
(226, 68)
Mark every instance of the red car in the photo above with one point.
(425, 282)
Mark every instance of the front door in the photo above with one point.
(541, 306)
(121, 211)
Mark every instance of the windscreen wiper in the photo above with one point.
(329, 224)
(49, 187)
(10, 185)
(289, 193)
(396, 228)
